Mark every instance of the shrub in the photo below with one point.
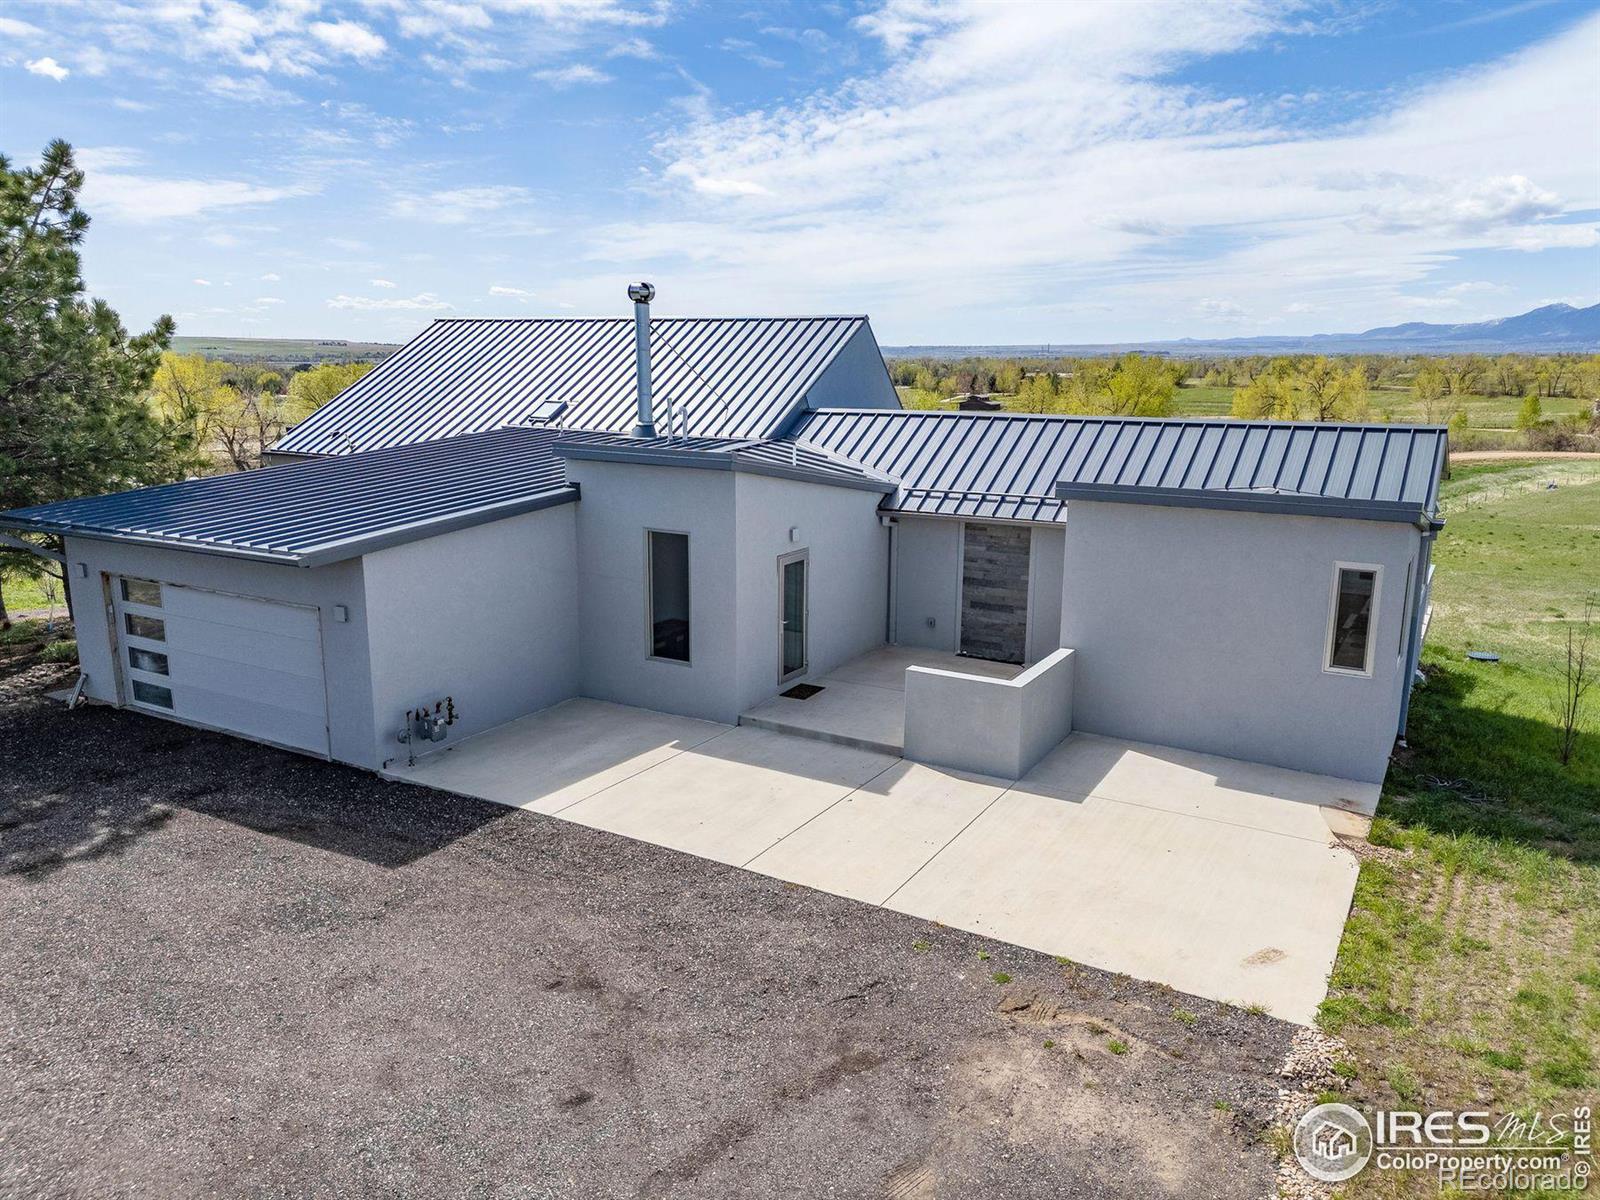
(61, 652)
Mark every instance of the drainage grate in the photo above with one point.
(801, 691)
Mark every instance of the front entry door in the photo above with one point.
(794, 617)
(994, 591)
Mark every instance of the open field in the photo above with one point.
(284, 352)
(1397, 404)
(1469, 974)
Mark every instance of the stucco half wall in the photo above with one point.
(1207, 630)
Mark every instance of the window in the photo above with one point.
(142, 591)
(1355, 600)
(149, 693)
(1405, 614)
(147, 660)
(153, 628)
(669, 595)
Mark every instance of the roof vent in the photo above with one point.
(641, 294)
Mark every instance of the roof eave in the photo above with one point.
(699, 460)
(1275, 503)
(322, 554)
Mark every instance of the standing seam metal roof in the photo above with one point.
(733, 376)
(331, 508)
(1019, 467)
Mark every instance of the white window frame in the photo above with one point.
(649, 597)
(1333, 615)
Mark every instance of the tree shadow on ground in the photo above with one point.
(1472, 767)
(77, 786)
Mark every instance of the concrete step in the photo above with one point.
(820, 735)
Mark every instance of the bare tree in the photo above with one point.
(1576, 681)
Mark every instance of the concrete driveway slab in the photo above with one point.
(878, 836)
(1086, 764)
(1242, 914)
(554, 758)
(731, 797)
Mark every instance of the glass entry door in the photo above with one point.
(794, 617)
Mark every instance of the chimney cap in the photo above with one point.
(641, 293)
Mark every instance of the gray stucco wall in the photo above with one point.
(848, 554)
(1044, 591)
(486, 615)
(1205, 630)
(927, 583)
(856, 378)
(348, 673)
(738, 526)
(620, 501)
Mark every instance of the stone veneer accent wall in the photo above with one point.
(994, 591)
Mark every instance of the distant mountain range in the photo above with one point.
(1553, 329)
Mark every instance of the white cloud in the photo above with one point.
(12, 28)
(269, 300)
(93, 61)
(425, 301)
(148, 198)
(380, 283)
(251, 89)
(508, 205)
(501, 290)
(1222, 310)
(349, 38)
(201, 282)
(127, 105)
(47, 67)
(271, 277)
(836, 193)
(577, 73)
(634, 47)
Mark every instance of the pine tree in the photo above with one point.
(73, 420)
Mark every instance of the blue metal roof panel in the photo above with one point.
(331, 508)
(732, 376)
(985, 464)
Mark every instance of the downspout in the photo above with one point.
(891, 621)
(1421, 589)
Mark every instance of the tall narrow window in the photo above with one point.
(669, 595)
(1355, 598)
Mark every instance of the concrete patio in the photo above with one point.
(863, 702)
(1218, 877)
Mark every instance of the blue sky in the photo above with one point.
(964, 172)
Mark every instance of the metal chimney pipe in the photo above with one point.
(641, 294)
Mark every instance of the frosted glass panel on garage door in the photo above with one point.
(232, 662)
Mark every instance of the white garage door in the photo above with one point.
(231, 662)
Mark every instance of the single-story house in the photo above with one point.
(692, 515)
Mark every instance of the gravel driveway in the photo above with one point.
(233, 971)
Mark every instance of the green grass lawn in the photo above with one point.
(23, 594)
(1469, 973)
